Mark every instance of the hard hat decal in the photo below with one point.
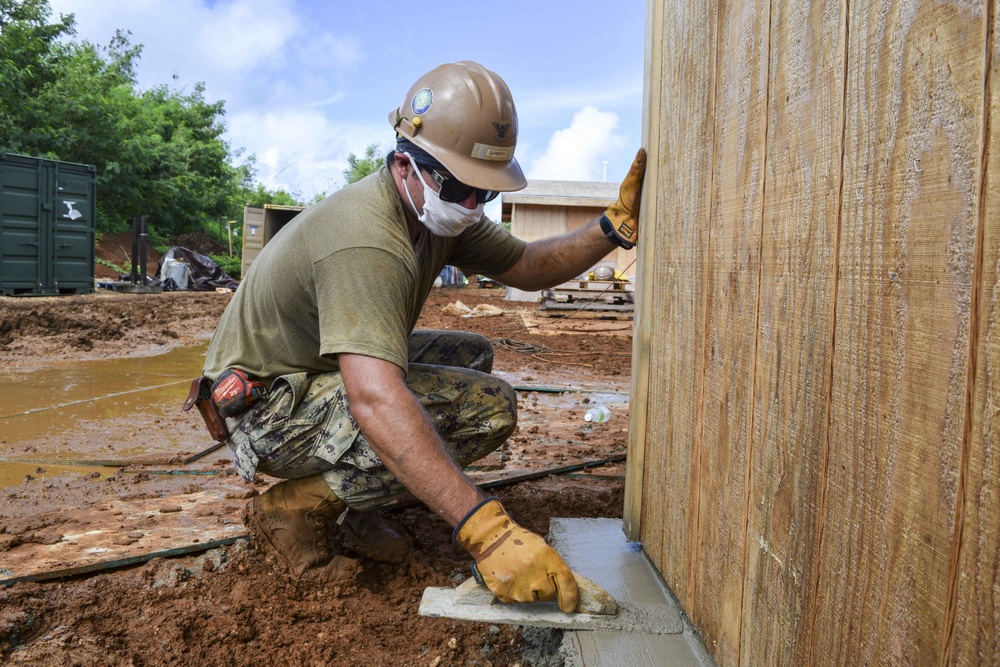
(422, 101)
(501, 130)
(494, 153)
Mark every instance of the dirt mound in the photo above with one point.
(36, 329)
(117, 249)
(200, 242)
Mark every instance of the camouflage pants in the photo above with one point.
(305, 427)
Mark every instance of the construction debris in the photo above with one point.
(459, 309)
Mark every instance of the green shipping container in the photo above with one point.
(47, 211)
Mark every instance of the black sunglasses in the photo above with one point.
(453, 190)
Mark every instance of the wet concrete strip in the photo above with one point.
(649, 630)
(597, 549)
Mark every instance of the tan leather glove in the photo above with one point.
(516, 564)
(620, 223)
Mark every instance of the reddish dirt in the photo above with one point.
(237, 606)
(116, 249)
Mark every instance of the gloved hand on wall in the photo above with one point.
(515, 564)
(620, 222)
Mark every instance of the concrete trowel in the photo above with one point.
(473, 601)
(593, 598)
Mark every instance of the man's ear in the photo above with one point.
(402, 163)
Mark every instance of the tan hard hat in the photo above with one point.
(464, 116)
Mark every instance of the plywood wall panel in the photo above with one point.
(795, 335)
(671, 303)
(731, 289)
(975, 639)
(914, 100)
(534, 222)
(818, 329)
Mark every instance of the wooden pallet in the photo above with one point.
(582, 296)
(597, 286)
(597, 298)
(588, 314)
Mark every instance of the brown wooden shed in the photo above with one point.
(546, 208)
(813, 466)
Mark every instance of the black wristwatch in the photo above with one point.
(609, 231)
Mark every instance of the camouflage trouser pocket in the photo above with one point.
(303, 429)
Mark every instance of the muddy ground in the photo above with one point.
(235, 605)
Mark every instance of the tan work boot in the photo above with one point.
(369, 535)
(292, 517)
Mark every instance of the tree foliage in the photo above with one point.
(158, 152)
(358, 168)
(258, 195)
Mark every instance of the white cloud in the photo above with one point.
(328, 53)
(190, 38)
(241, 35)
(302, 151)
(577, 152)
(539, 105)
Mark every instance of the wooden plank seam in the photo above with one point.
(762, 194)
(825, 471)
(697, 444)
(978, 277)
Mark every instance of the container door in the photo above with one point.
(22, 265)
(73, 230)
(253, 236)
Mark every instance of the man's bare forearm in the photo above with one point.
(550, 261)
(398, 429)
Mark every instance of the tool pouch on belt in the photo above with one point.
(201, 395)
(235, 391)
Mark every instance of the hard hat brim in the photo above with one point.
(486, 175)
(496, 175)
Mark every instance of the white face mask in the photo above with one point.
(443, 218)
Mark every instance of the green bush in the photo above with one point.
(231, 265)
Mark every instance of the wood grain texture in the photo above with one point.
(681, 196)
(732, 279)
(975, 636)
(795, 335)
(914, 101)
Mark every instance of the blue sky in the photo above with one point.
(307, 82)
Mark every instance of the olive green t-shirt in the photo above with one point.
(344, 276)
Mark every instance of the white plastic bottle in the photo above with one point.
(597, 414)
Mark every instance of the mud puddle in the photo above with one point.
(85, 417)
(12, 474)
